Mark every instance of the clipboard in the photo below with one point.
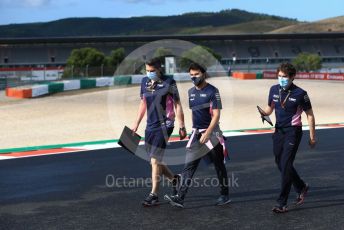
(264, 116)
(129, 140)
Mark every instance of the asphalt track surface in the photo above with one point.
(69, 191)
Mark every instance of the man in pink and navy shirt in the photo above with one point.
(289, 102)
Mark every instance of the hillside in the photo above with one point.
(226, 21)
(327, 25)
(259, 26)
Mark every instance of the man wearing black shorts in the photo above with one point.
(160, 98)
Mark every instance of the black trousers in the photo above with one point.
(285, 145)
(216, 156)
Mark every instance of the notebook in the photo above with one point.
(129, 140)
(264, 117)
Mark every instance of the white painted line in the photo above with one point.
(116, 145)
(235, 134)
(96, 146)
(5, 158)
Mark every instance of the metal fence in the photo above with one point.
(20, 76)
(13, 77)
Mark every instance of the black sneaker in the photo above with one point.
(175, 201)
(151, 200)
(280, 209)
(300, 199)
(175, 184)
(222, 200)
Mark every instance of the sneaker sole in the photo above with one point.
(150, 205)
(227, 202)
(278, 211)
(176, 204)
(167, 198)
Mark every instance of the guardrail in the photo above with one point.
(46, 88)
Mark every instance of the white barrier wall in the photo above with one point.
(71, 85)
(104, 81)
(85, 83)
(181, 77)
(39, 90)
(136, 79)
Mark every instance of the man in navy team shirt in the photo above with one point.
(206, 140)
(289, 102)
(160, 98)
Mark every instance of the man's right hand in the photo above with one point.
(312, 143)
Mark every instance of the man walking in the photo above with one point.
(289, 101)
(160, 98)
(206, 140)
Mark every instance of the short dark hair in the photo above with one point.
(155, 62)
(196, 66)
(287, 68)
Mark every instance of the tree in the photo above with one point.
(85, 56)
(307, 62)
(114, 60)
(81, 61)
(116, 57)
(204, 56)
(92, 61)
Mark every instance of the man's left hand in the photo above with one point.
(182, 133)
(204, 138)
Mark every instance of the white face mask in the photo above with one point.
(284, 82)
(153, 75)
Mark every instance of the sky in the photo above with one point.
(26, 11)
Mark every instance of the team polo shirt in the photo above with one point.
(297, 102)
(160, 97)
(202, 102)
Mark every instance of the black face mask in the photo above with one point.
(197, 80)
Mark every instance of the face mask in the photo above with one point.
(153, 76)
(284, 82)
(197, 80)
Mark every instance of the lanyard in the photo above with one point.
(285, 99)
(151, 86)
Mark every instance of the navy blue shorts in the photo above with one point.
(155, 142)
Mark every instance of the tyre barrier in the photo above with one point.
(55, 87)
(41, 89)
(19, 92)
(89, 83)
(244, 76)
(71, 85)
(104, 81)
(122, 80)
